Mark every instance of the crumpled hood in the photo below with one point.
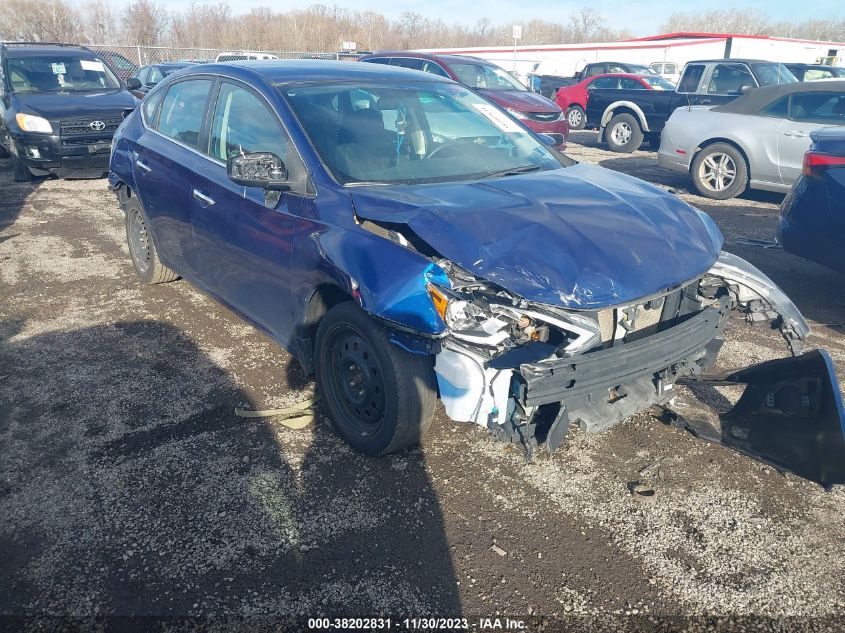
(60, 105)
(521, 100)
(582, 237)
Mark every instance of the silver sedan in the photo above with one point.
(756, 141)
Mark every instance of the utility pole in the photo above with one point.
(517, 35)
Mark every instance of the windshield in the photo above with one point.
(657, 82)
(770, 74)
(414, 132)
(485, 77)
(58, 73)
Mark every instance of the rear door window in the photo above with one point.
(630, 84)
(407, 62)
(691, 79)
(182, 111)
(729, 79)
(605, 82)
(435, 69)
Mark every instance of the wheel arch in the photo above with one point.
(620, 107)
(728, 141)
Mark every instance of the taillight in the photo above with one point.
(815, 162)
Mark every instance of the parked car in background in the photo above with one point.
(668, 70)
(495, 83)
(235, 56)
(756, 141)
(815, 72)
(122, 67)
(812, 216)
(550, 81)
(573, 99)
(59, 108)
(404, 239)
(627, 117)
(149, 76)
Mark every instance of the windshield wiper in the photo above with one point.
(513, 171)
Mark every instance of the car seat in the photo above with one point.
(369, 146)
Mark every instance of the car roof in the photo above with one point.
(759, 98)
(740, 60)
(628, 75)
(288, 71)
(33, 50)
(445, 57)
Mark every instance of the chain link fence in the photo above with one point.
(127, 59)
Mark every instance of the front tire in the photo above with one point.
(575, 117)
(21, 172)
(719, 172)
(624, 133)
(380, 398)
(142, 249)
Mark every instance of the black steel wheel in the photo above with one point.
(379, 397)
(142, 248)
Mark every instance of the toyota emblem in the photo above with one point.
(97, 126)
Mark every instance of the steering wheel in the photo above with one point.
(452, 144)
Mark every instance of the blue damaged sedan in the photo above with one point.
(408, 240)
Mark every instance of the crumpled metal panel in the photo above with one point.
(581, 237)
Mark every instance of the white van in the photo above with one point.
(235, 56)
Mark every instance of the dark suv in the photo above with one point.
(495, 83)
(59, 108)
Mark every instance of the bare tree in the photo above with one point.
(50, 21)
(144, 22)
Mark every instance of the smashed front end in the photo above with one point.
(529, 372)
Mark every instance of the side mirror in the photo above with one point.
(259, 169)
(133, 83)
(547, 139)
(745, 89)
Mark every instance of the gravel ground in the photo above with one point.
(128, 487)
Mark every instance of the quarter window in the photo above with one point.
(149, 108)
(244, 124)
(155, 76)
(818, 107)
(435, 69)
(182, 111)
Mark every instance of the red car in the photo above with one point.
(573, 99)
(535, 111)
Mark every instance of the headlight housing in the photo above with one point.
(483, 314)
(32, 123)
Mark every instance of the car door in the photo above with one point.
(243, 237)
(762, 131)
(163, 160)
(808, 111)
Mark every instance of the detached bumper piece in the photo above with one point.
(790, 416)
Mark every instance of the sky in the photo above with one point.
(645, 20)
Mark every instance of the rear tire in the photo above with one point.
(623, 133)
(21, 171)
(575, 117)
(719, 171)
(142, 249)
(379, 397)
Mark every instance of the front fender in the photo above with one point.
(760, 297)
(388, 280)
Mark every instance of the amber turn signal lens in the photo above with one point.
(439, 299)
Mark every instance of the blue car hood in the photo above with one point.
(581, 237)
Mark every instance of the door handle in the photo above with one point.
(143, 166)
(796, 134)
(704, 101)
(203, 198)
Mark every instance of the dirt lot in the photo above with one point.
(129, 487)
